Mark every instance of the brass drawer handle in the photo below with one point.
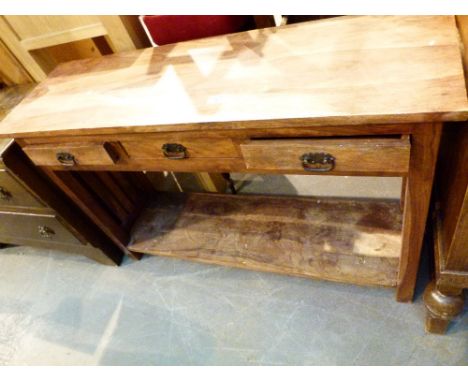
(5, 194)
(317, 162)
(66, 159)
(45, 231)
(174, 151)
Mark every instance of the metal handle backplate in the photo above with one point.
(174, 151)
(317, 162)
(45, 231)
(5, 194)
(66, 159)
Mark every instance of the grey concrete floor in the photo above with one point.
(61, 309)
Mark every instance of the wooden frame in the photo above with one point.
(424, 147)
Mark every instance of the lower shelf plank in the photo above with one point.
(355, 241)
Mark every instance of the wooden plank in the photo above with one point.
(10, 39)
(211, 182)
(462, 23)
(85, 200)
(83, 153)
(105, 195)
(424, 149)
(11, 71)
(64, 36)
(195, 148)
(118, 191)
(343, 70)
(332, 239)
(29, 26)
(384, 155)
(117, 35)
(452, 197)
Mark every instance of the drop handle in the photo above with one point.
(5, 194)
(45, 231)
(317, 162)
(174, 151)
(66, 159)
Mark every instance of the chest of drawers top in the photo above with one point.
(345, 70)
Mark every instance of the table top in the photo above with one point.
(345, 70)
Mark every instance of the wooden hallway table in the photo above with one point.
(343, 96)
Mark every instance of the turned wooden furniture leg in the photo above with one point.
(442, 307)
(425, 140)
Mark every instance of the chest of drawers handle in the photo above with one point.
(317, 162)
(66, 159)
(174, 151)
(5, 194)
(45, 231)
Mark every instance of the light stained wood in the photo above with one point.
(337, 240)
(354, 155)
(117, 35)
(196, 148)
(51, 56)
(62, 37)
(84, 154)
(462, 23)
(10, 39)
(210, 182)
(42, 25)
(30, 38)
(11, 71)
(353, 70)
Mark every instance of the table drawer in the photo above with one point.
(73, 154)
(33, 227)
(384, 156)
(12, 193)
(180, 148)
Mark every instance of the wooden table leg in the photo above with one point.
(442, 306)
(425, 140)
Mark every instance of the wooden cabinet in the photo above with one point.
(444, 295)
(13, 194)
(39, 43)
(34, 212)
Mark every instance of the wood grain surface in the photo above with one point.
(388, 156)
(332, 239)
(345, 70)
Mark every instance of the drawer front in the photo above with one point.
(34, 227)
(70, 155)
(171, 149)
(379, 156)
(12, 193)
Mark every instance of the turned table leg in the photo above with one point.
(442, 307)
(425, 140)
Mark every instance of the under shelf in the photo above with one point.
(345, 240)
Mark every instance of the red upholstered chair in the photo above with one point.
(170, 29)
